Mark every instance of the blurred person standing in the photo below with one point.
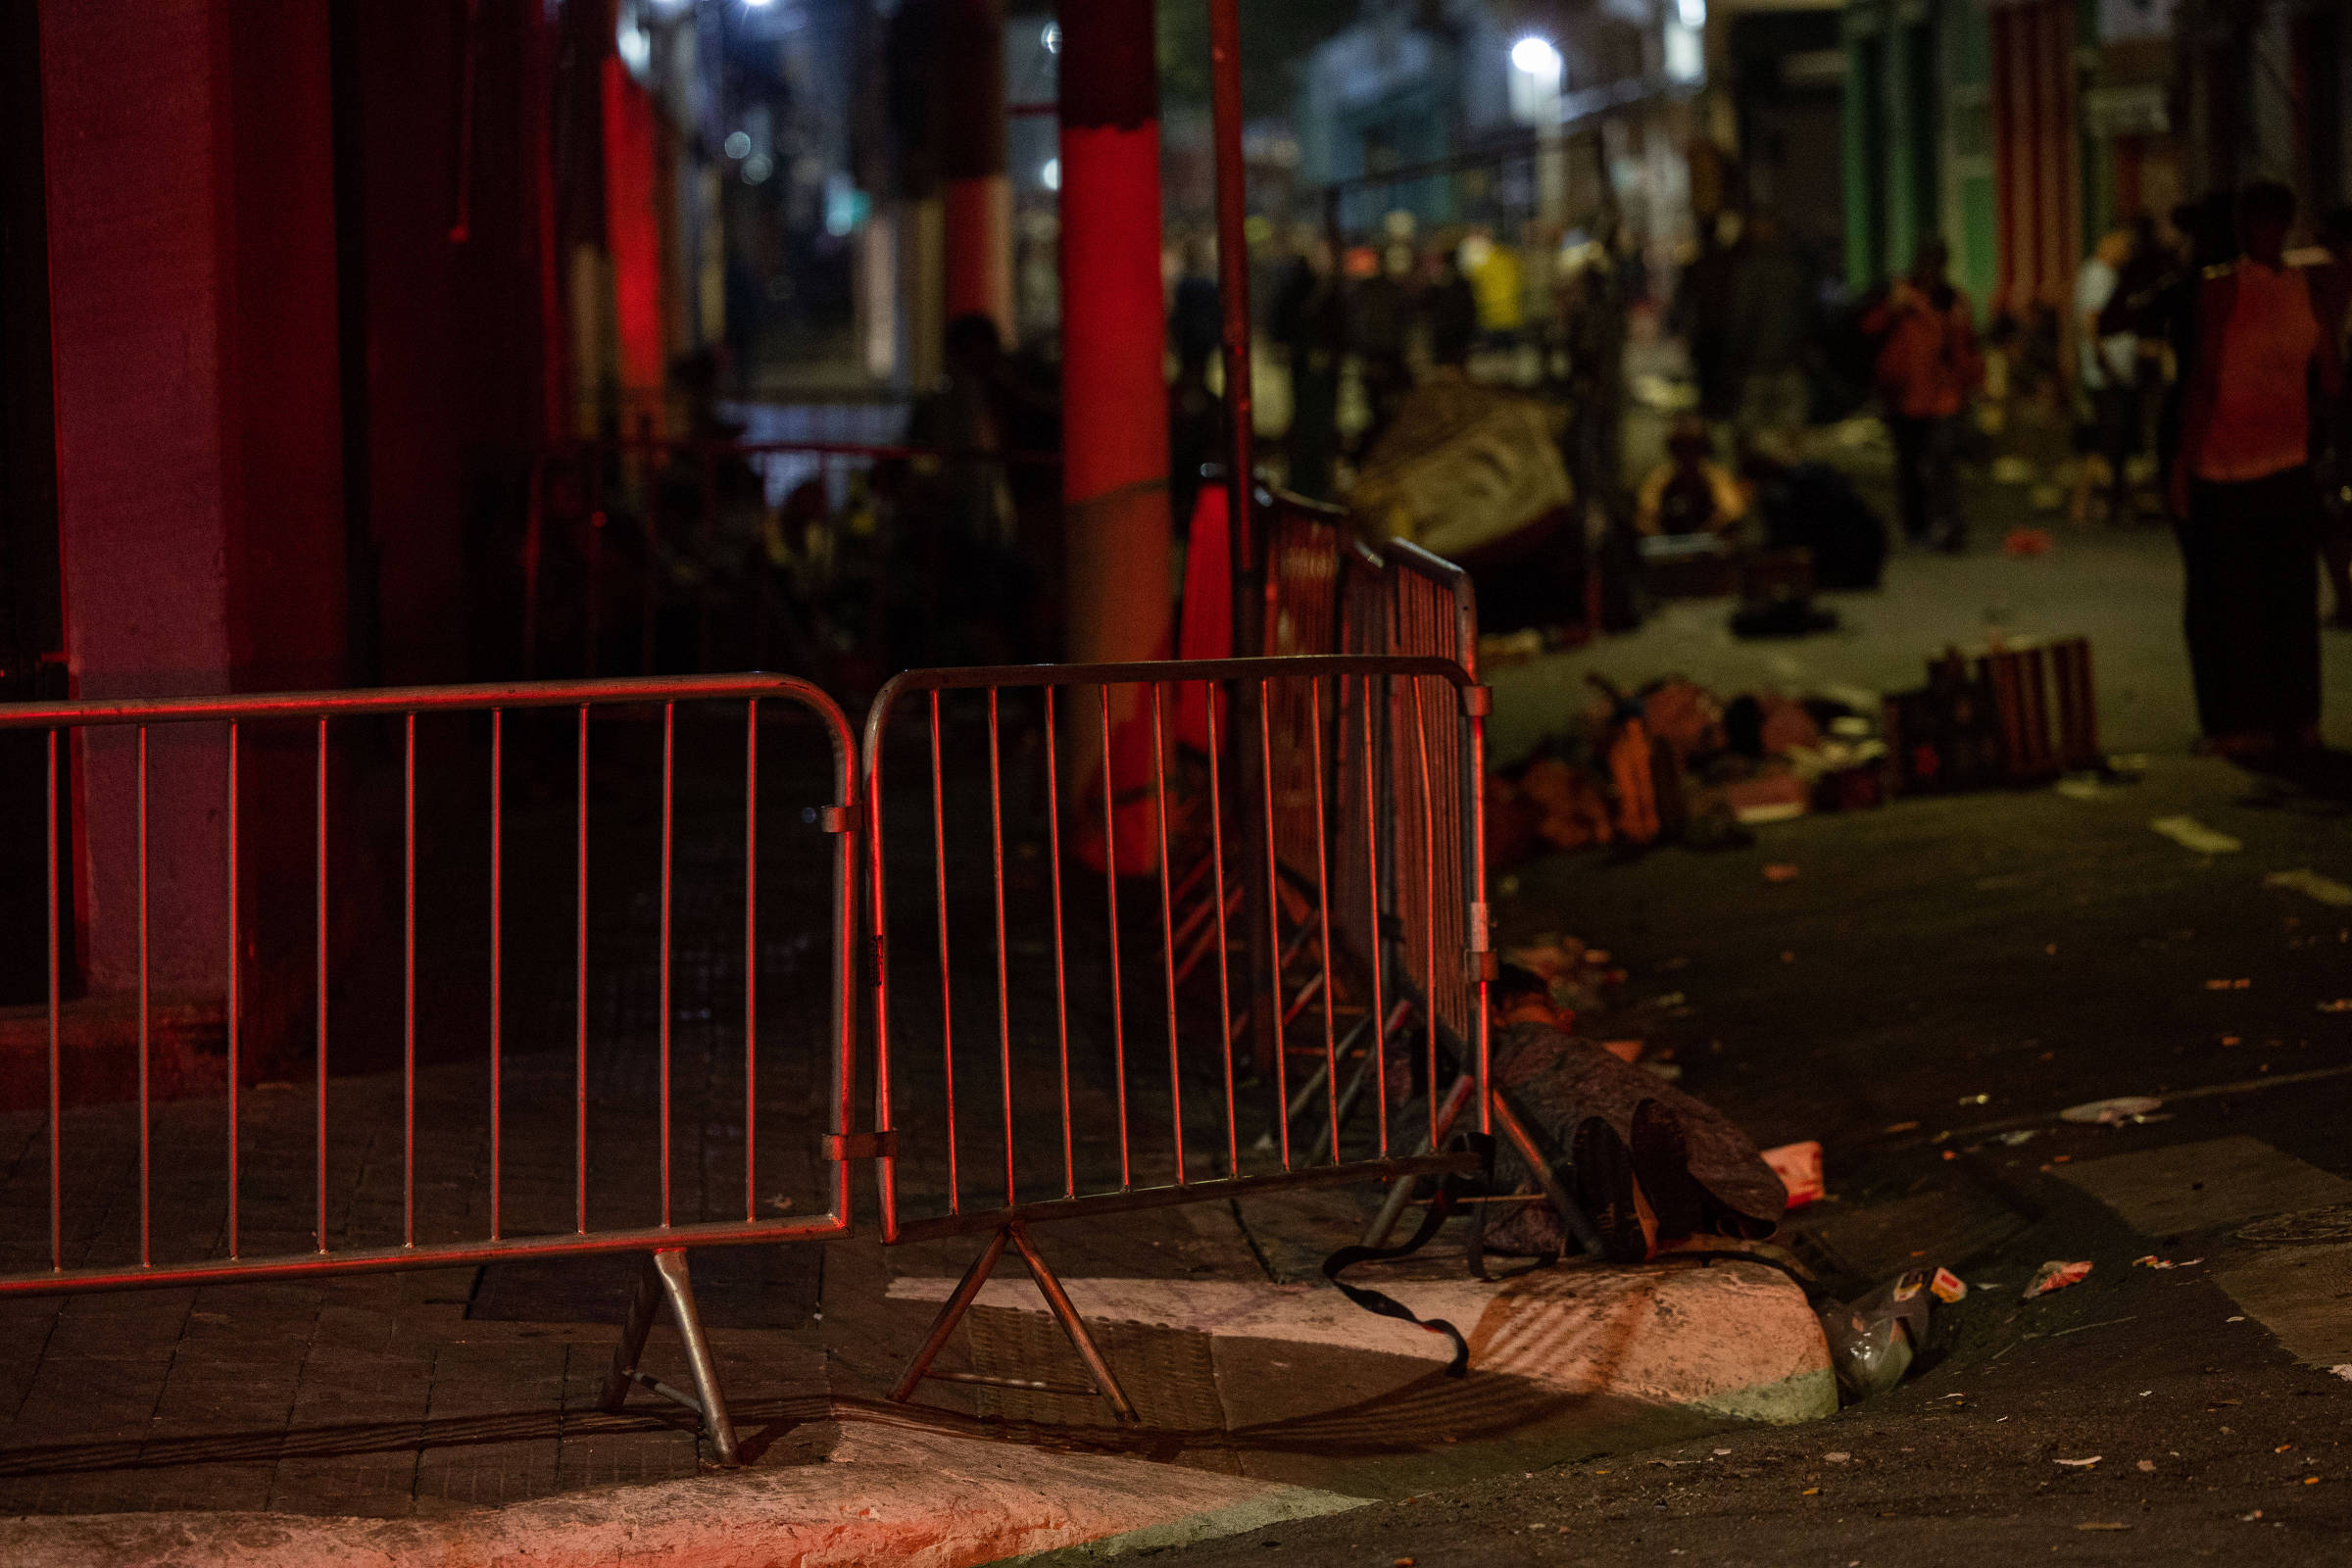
(1493, 271)
(1380, 322)
(1767, 331)
(2107, 370)
(1310, 324)
(1196, 415)
(1927, 367)
(1701, 314)
(1449, 308)
(1593, 328)
(2243, 483)
(2333, 290)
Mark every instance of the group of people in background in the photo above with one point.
(1546, 311)
(2206, 386)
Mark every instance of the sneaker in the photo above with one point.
(1661, 1156)
(1603, 1169)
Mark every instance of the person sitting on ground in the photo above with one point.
(1650, 1166)
(1811, 506)
(1691, 493)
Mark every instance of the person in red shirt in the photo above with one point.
(2243, 484)
(1927, 368)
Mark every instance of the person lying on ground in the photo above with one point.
(1652, 1166)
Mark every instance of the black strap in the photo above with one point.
(1371, 1301)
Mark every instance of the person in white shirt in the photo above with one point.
(2107, 370)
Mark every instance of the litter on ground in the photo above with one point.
(2056, 1276)
(1798, 1167)
(2325, 889)
(2191, 834)
(2111, 1112)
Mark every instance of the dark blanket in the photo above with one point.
(1556, 1081)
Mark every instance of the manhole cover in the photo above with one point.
(2313, 1227)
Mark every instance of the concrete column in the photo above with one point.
(191, 259)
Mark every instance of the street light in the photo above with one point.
(1535, 57)
(1536, 77)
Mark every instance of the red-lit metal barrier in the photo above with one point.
(1097, 1153)
(524, 1137)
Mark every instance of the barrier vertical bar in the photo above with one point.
(1062, 983)
(1476, 878)
(1167, 922)
(669, 748)
(1216, 867)
(1429, 907)
(579, 982)
(497, 826)
(235, 1000)
(996, 844)
(887, 1166)
(146, 1152)
(318, 928)
(751, 960)
(1265, 777)
(1330, 1050)
(57, 1202)
(408, 984)
(1111, 886)
(1380, 1013)
(946, 985)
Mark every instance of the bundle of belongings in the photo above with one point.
(1473, 473)
(1672, 762)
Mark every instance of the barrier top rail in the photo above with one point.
(476, 697)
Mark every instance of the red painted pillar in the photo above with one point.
(632, 231)
(1114, 398)
(192, 296)
(975, 192)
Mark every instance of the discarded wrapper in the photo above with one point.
(2111, 1112)
(2153, 1261)
(1780, 871)
(2056, 1276)
(1947, 1286)
(1798, 1167)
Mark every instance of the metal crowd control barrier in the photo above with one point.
(543, 1138)
(1051, 1143)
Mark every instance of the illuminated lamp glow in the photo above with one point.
(1535, 57)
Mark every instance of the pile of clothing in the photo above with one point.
(1673, 762)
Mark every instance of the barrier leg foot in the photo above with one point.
(950, 1314)
(1400, 1191)
(664, 1277)
(1105, 1383)
(1057, 1301)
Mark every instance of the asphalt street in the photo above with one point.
(1938, 981)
